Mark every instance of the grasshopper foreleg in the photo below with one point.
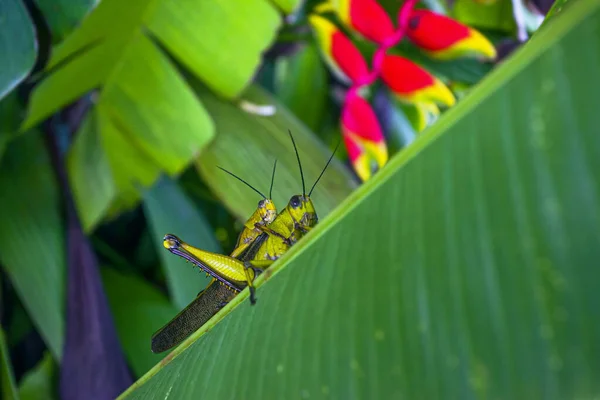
(253, 268)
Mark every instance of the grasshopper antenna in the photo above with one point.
(243, 181)
(272, 180)
(299, 163)
(326, 165)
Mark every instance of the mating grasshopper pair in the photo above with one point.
(266, 237)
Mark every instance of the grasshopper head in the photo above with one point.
(301, 208)
(267, 211)
(171, 242)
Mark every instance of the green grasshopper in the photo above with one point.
(216, 295)
(293, 222)
(265, 214)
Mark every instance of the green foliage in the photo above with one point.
(31, 238)
(139, 310)
(37, 384)
(63, 15)
(17, 45)
(308, 100)
(7, 380)
(466, 268)
(146, 118)
(248, 144)
(494, 16)
(463, 269)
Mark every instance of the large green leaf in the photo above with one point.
(10, 116)
(247, 144)
(32, 249)
(17, 44)
(170, 211)
(8, 388)
(90, 175)
(37, 383)
(307, 101)
(467, 268)
(63, 15)
(220, 42)
(495, 16)
(148, 119)
(139, 310)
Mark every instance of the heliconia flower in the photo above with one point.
(444, 38)
(366, 17)
(412, 84)
(363, 137)
(339, 52)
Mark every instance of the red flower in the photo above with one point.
(444, 38)
(366, 17)
(339, 52)
(412, 84)
(363, 137)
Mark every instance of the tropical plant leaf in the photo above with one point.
(7, 379)
(495, 16)
(466, 268)
(288, 6)
(139, 310)
(248, 144)
(17, 45)
(147, 118)
(112, 47)
(37, 383)
(10, 117)
(31, 237)
(63, 15)
(90, 175)
(308, 100)
(170, 211)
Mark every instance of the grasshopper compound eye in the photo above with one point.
(261, 204)
(295, 202)
(171, 242)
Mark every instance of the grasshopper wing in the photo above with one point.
(197, 313)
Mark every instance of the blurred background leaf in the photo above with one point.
(37, 384)
(308, 100)
(146, 118)
(18, 46)
(31, 236)
(11, 112)
(7, 379)
(139, 310)
(248, 144)
(465, 269)
(496, 15)
(62, 16)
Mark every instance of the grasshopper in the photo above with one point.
(216, 295)
(234, 274)
(265, 214)
(293, 222)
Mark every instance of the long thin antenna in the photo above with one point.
(299, 163)
(243, 181)
(272, 180)
(326, 165)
